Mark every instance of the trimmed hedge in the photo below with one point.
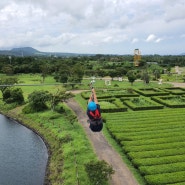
(159, 140)
(151, 92)
(154, 147)
(113, 105)
(102, 94)
(150, 105)
(175, 90)
(162, 168)
(158, 160)
(154, 141)
(165, 178)
(156, 153)
(165, 100)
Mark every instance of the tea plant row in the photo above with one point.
(154, 141)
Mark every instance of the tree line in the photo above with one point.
(71, 70)
(99, 64)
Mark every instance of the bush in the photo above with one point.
(60, 110)
(116, 85)
(37, 100)
(13, 95)
(28, 109)
(98, 172)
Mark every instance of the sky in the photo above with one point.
(94, 26)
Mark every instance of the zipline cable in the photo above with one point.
(10, 85)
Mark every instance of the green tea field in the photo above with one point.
(150, 129)
(154, 142)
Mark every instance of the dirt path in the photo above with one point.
(104, 151)
(178, 84)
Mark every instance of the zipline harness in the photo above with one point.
(96, 124)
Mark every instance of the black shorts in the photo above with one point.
(96, 125)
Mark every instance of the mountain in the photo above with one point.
(29, 51)
(26, 51)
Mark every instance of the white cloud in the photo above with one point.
(88, 25)
(151, 38)
(135, 40)
(88, 43)
(174, 10)
(158, 40)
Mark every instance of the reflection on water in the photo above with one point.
(23, 155)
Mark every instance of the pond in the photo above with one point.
(23, 155)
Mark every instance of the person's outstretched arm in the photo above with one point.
(95, 97)
(90, 98)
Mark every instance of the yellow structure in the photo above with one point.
(137, 57)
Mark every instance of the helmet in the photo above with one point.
(92, 106)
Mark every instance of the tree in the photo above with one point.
(113, 73)
(76, 74)
(8, 69)
(44, 71)
(99, 72)
(146, 78)
(7, 82)
(142, 63)
(156, 70)
(121, 71)
(98, 172)
(157, 74)
(58, 96)
(13, 95)
(62, 73)
(132, 76)
(37, 100)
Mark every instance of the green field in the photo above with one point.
(152, 141)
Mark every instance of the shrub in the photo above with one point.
(98, 172)
(13, 95)
(116, 85)
(28, 109)
(37, 100)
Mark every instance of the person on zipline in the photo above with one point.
(94, 113)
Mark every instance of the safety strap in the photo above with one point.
(95, 114)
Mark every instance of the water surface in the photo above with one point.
(23, 155)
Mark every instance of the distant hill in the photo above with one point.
(29, 51)
(25, 51)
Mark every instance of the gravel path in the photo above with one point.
(176, 84)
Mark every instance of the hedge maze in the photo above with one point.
(149, 126)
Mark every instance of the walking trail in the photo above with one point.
(103, 150)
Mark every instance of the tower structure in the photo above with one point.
(137, 57)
